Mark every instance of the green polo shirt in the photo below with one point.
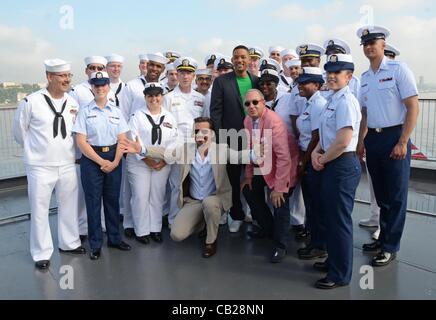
(244, 84)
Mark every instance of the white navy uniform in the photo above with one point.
(50, 164)
(185, 108)
(296, 202)
(285, 82)
(148, 185)
(133, 96)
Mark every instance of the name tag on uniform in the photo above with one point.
(198, 103)
(176, 104)
(364, 85)
(116, 118)
(385, 80)
(91, 117)
(167, 125)
(330, 109)
(73, 111)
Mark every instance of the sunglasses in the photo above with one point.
(254, 102)
(95, 68)
(203, 79)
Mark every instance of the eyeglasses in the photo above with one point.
(204, 79)
(95, 68)
(254, 102)
(65, 76)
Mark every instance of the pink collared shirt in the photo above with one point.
(281, 153)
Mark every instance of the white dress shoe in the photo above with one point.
(223, 219)
(235, 225)
(368, 223)
(376, 234)
(248, 218)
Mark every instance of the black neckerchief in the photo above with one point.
(56, 119)
(156, 131)
(117, 101)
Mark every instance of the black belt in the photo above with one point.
(105, 149)
(343, 155)
(381, 130)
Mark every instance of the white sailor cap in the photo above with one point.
(95, 60)
(269, 75)
(287, 52)
(170, 67)
(115, 58)
(172, 55)
(186, 63)
(391, 51)
(223, 62)
(293, 62)
(203, 72)
(211, 58)
(339, 62)
(157, 57)
(57, 65)
(270, 64)
(143, 57)
(310, 50)
(256, 52)
(153, 88)
(310, 74)
(275, 49)
(335, 45)
(99, 78)
(368, 33)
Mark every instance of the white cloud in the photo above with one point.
(394, 5)
(23, 54)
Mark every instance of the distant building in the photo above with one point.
(421, 81)
(9, 85)
(41, 85)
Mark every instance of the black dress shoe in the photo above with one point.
(79, 250)
(321, 267)
(156, 237)
(209, 250)
(121, 246)
(278, 255)
(143, 239)
(304, 250)
(129, 233)
(302, 235)
(383, 259)
(95, 254)
(42, 264)
(313, 253)
(327, 284)
(83, 237)
(372, 247)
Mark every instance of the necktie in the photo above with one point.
(156, 131)
(56, 119)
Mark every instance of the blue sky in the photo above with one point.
(197, 27)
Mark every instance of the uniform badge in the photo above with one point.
(73, 111)
(185, 63)
(331, 43)
(198, 103)
(213, 57)
(334, 58)
(167, 125)
(99, 75)
(303, 49)
(169, 55)
(222, 61)
(252, 51)
(264, 62)
(365, 32)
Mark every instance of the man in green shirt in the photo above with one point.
(227, 112)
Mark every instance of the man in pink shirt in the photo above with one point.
(276, 169)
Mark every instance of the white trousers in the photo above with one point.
(298, 210)
(125, 196)
(83, 218)
(41, 183)
(148, 193)
(375, 210)
(174, 181)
